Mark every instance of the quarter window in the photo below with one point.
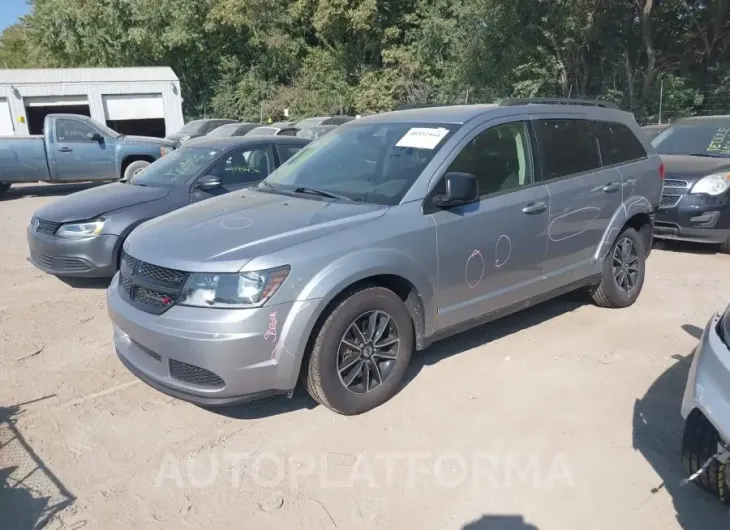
(500, 158)
(567, 147)
(618, 143)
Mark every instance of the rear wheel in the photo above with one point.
(134, 168)
(623, 272)
(4, 186)
(699, 443)
(361, 353)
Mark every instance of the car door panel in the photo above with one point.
(490, 252)
(78, 157)
(584, 195)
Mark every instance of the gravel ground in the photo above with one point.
(562, 417)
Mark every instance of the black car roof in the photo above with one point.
(233, 142)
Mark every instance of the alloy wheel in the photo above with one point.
(626, 265)
(368, 351)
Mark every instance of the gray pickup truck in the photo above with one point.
(76, 148)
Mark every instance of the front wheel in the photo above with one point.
(361, 353)
(4, 187)
(134, 168)
(699, 443)
(623, 272)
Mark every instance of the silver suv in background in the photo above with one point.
(387, 234)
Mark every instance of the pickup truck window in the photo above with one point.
(178, 167)
(73, 131)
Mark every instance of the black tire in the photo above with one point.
(323, 381)
(608, 293)
(133, 168)
(699, 443)
(4, 187)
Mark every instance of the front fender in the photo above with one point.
(333, 280)
(633, 205)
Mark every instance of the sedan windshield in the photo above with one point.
(710, 138)
(267, 131)
(176, 168)
(374, 163)
(225, 130)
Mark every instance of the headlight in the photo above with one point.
(712, 184)
(245, 289)
(79, 230)
(184, 139)
(165, 150)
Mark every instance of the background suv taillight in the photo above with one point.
(662, 171)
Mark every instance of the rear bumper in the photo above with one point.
(696, 218)
(708, 384)
(92, 257)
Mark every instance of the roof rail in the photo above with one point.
(424, 106)
(511, 102)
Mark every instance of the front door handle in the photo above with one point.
(534, 208)
(65, 149)
(611, 187)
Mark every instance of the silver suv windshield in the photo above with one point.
(374, 163)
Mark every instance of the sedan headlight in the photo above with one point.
(245, 289)
(80, 230)
(165, 150)
(713, 184)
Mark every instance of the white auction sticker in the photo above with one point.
(422, 138)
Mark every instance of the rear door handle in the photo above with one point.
(65, 149)
(611, 187)
(534, 208)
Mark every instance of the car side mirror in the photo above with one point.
(208, 182)
(461, 188)
(95, 137)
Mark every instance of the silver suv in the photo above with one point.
(388, 233)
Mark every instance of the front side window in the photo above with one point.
(73, 131)
(708, 138)
(500, 158)
(245, 166)
(375, 163)
(287, 151)
(618, 143)
(567, 146)
(176, 168)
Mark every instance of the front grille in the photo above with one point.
(162, 274)
(669, 201)
(63, 264)
(194, 374)
(47, 227)
(149, 287)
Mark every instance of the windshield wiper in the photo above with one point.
(321, 193)
(708, 155)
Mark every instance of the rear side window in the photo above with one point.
(618, 143)
(567, 147)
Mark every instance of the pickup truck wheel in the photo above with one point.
(725, 247)
(361, 353)
(134, 168)
(4, 186)
(623, 272)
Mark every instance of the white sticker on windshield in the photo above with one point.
(422, 138)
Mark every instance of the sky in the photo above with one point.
(11, 11)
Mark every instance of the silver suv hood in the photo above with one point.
(222, 234)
